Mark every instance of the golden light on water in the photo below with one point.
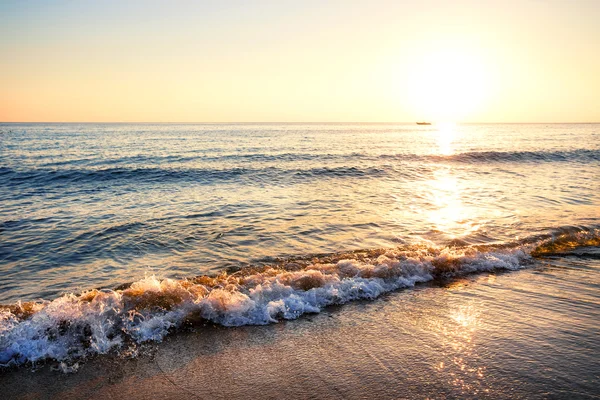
(446, 199)
(446, 209)
(456, 335)
(449, 214)
(445, 136)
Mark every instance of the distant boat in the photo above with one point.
(423, 123)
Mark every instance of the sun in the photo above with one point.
(447, 85)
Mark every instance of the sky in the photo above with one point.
(300, 61)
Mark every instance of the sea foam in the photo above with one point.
(97, 321)
(75, 326)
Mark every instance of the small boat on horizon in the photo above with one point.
(423, 123)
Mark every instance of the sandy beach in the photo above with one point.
(526, 334)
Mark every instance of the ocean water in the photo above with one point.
(116, 234)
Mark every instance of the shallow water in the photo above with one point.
(529, 334)
(385, 206)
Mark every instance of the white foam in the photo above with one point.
(96, 322)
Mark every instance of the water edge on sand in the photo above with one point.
(525, 334)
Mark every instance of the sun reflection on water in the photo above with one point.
(456, 335)
(448, 213)
(445, 137)
(442, 202)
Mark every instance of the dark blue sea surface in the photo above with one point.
(119, 232)
(98, 205)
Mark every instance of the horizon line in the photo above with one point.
(281, 122)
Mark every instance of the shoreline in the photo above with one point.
(481, 336)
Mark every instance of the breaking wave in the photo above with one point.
(75, 326)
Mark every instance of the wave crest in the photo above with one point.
(98, 321)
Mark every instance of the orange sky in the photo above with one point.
(472, 61)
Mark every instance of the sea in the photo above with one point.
(116, 234)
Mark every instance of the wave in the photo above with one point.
(580, 155)
(127, 173)
(198, 175)
(577, 155)
(74, 326)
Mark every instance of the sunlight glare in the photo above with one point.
(446, 133)
(450, 215)
(448, 85)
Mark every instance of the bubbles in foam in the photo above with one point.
(73, 326)
(98, 321)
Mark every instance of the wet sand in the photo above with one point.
(526, 334)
